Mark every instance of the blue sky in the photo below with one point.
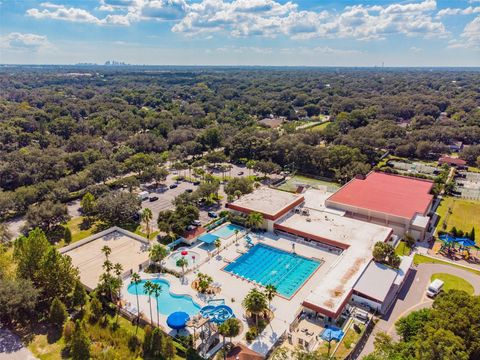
(242, 32)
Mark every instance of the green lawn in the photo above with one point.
(421, 259)
(453, 282)
(291, 184)
(463, 214)
(348, 342)
(319, 127)
(402, 249)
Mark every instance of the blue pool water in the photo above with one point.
(167, 302)
(268, 265)
(226, 231)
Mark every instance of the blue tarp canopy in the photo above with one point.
(465, 242)
(208, 238)
(332, 333)
(178, 320)
(447, 238)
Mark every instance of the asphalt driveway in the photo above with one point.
(412, 297)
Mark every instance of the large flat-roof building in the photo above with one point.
(399, 202)
(355, 240)
(271, 203)
(388, 283)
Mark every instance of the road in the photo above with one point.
(412, 297)
(11, 347)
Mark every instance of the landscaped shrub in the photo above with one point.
(251, 334)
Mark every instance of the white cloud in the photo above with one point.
(456, 11)
(63, 13)
(270, 18)
(164, 9)
(266, 18)
(415, 49)
(22, 41)
(470, 37)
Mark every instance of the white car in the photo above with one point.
(434, 288)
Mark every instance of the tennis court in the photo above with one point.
(87, 255)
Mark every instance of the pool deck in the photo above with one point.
(234, 289)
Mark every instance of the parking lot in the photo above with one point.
(167, 195)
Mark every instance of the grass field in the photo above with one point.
(452, 282)
(463, 214)
(402, 249)
(421, 259)
(319, 127)
(291, 184)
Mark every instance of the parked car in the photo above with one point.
(240, 173)
(212, 214)
(196, 222)
(143, 195)
(189, 190)
(173, 186)
(434, 288)
(196, 183)
(153, 198)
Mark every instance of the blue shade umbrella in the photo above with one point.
(178, 320)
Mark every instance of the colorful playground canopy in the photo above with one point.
(208, 238)
(449, 239)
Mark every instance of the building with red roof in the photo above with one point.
(399, 202)
(459, 163)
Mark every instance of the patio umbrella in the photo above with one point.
(184, 252)
(178, 320)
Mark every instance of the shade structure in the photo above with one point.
(208, 238)
(448, 239)
(465, 242)
(178, 320)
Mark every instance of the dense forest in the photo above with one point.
(65, 130)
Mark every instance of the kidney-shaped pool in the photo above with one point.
(167, 301)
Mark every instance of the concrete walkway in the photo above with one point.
(11, 347)
(412, 297)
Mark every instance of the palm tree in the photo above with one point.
(117, 285)
(224, 330)
(270, 292)
(182, 262)
(148, 290)
(250, 164)
(255, 302)
(146, 218)
(135, 280)
(156, 290)
(157, 253)
(218, 245)
(204, 282)
(236, 235)
(254, 220)
(107, 251)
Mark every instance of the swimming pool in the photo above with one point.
(227, 230)
(168, 302)
(268, 265)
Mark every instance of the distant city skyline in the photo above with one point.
(242, 32)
